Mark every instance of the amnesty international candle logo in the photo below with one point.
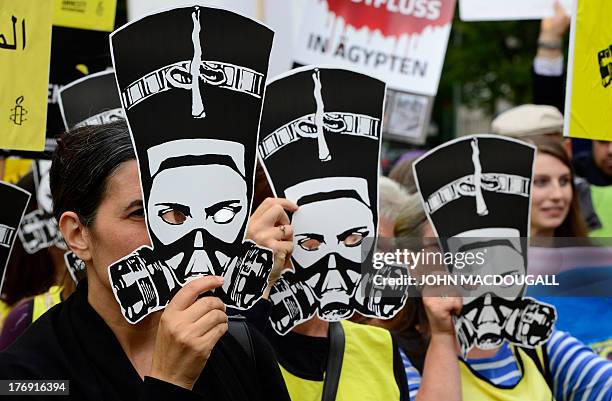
(18, 112)
(402, 42)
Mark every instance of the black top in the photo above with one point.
(549, 90)
(71, 341)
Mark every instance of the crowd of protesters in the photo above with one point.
(52, 328)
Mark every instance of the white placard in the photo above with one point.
(407, 117)
(504, 10)
(400, 44)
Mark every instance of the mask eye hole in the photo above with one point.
(354, 239)
(224, 216)
(515, 273)
(311, 242)
(223, 212)
(173, 216)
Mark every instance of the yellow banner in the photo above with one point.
(25, 50)
(97, 15)
(589, 97)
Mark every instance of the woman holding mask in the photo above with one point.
(562, 368)
(181, 353)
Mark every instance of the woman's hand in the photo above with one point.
(269, 226)
(441, 303)
(441, 378)
(188, 330)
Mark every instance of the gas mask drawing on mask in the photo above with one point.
(197, 157)
(328, 257)
(312, 119)
(482, 205)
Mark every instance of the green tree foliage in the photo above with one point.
(485, 62)
(491, 61)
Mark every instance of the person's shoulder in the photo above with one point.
(366, 330)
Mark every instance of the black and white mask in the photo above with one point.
(14, 203)
(191, 81)
(197, 228)
(39, 229)
(476, 192)
(90, 100)
(328, 257)
(326, 122)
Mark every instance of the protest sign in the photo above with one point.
(97, 15)
(589, 93)
(25, 43)
(503, 10)
(407, 117)
(403, 44)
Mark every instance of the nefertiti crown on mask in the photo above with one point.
(191, 82)
(478, 187)
(320, 141)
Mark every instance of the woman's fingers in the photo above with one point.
(270, 202)
(206, 343)
(274, 216)
(190, 292)
(282, 249)
(188, 330)
(209, 322)
(203, 306)
(270, 235)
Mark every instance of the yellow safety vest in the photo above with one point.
(603, 349)
(367, 369)
(532, 385)
(602, 204)
(44, 302)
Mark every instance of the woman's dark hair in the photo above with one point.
(262, 187)
(574, 224)
(82, 163)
